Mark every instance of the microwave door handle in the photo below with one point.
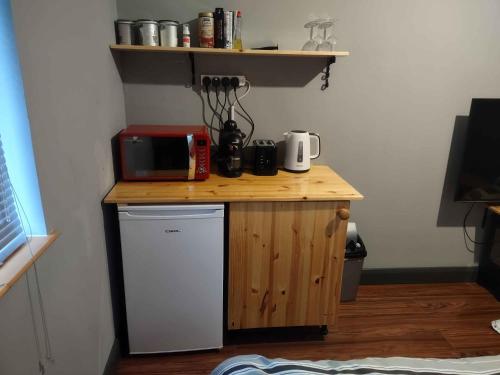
(191, 156)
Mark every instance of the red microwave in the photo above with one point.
(165, 152)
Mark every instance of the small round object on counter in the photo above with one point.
(124, 31)
(168, 33)
(147, 32)
(206, 29)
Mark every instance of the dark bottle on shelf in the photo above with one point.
(219, 41)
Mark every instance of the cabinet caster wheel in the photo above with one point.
(324, 330)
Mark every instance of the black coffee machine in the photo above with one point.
(230, 153)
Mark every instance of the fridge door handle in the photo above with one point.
(156, 216)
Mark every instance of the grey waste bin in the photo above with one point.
(355, 253)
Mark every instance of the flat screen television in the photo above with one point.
(479, 177)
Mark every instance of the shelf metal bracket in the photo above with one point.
(193, 72)
(326, 76)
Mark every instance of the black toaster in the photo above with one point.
(266, 158)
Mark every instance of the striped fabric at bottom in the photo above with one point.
(259, 365)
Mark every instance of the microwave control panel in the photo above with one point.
(202, 158)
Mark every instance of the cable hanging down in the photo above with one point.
(215, 113)
(29, 235)
(467, 236)
(223, 107)
(248, 118)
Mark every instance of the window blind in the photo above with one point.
(11, 232)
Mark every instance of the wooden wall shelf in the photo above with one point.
(330, 56)
(221, 51)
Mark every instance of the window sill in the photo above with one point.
(20, 262)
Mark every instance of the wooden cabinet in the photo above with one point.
(285, 263)
(286, 240)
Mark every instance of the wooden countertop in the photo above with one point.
(319, 184)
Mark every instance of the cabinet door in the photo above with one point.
(285, 263)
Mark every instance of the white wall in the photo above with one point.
(75, 104)
(387, 121)
(386, 124)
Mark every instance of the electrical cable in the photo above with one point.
(247, 83)
(28, 237)
(241, 97)
(249, 119)
(231, 103)
(467, 244)
(223, 106)
(214, 113)
(41, 367)
(227, 100)
(464, 226)
(242, 115)
(20, 208)
(468, 237)
(210, 104)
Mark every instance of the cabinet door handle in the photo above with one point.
(343, 213)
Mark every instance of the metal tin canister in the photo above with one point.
(168, 33)
(228, 29)
(147, 32)
(124, 32)
(206, 29)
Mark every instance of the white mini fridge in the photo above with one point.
(173, 265)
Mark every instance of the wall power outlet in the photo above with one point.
(242, 79)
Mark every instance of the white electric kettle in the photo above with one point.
(298, 150)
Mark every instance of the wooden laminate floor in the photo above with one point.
(427, 320)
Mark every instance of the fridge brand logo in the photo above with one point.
(173, 231)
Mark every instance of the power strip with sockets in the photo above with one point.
(242, 79)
